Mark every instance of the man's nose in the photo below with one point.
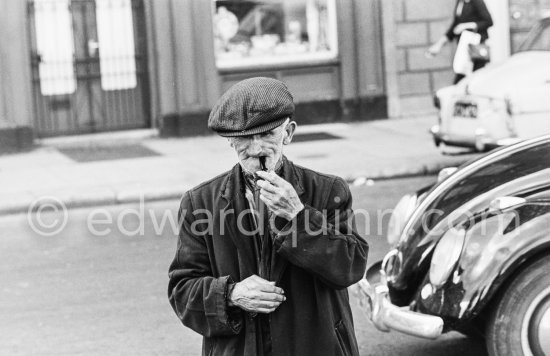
(255, 147)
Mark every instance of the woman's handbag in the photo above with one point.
(480, 52)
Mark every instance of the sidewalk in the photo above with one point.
(373, 150)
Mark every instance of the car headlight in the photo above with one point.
(446, 255)
(401, 213)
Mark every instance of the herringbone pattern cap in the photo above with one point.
(250, 107)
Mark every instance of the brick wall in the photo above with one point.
(418, 23)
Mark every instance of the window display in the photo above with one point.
(248, 33)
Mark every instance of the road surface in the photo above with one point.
(95, 282)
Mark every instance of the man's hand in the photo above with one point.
(279, 195)
(257, 295)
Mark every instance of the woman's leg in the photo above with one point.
(477, 65)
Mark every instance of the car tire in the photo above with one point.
(475, 329)
(520, 322)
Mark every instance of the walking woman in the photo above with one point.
(471, 15)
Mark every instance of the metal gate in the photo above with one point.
(89, 66)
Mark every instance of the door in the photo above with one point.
(89, 66)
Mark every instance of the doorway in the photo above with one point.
(89, 66)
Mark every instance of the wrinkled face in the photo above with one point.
(267, 144)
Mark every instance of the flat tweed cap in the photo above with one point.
(250, 107)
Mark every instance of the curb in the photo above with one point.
(108, 196)
(66, 202)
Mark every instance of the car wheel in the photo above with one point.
(520, 323)
(475, 329)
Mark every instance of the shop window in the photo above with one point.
(55, 48)
(271, 32)
(115, 32)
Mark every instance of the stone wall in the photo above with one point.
(417, 24)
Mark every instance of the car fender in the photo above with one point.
(495, 248)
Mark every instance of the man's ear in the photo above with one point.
(230, 141)
(289, 130)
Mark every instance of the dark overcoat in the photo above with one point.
(317, 256)
(472, 11)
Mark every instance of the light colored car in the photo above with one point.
(499, 104)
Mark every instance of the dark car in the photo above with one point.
(472, 253)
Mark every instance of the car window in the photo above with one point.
(506, 169)
(539, 38)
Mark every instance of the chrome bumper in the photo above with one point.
(440, 137)
(480, 140)
(385, 316)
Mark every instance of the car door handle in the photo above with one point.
(501, 204)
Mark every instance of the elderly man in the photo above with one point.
(266, 251)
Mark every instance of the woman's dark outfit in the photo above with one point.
(471, 11)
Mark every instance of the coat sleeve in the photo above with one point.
(197, 297)
(449, 33)
(326, 243)
(485, 20)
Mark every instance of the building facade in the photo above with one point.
(317, 47)
(84, 66)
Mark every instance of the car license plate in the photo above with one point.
(465, 110)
